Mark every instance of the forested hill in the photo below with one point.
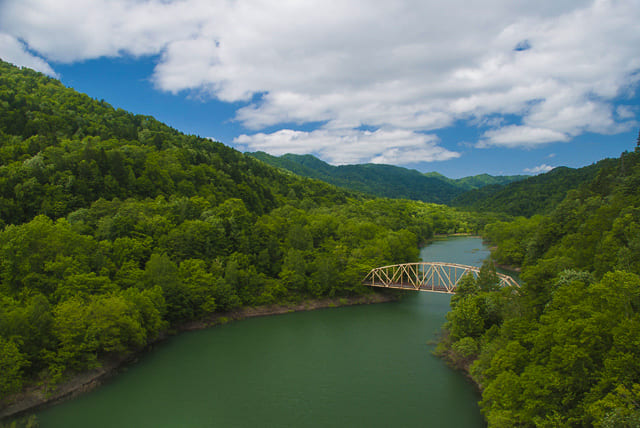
(115, 228)
(478, 181)
(62, 150)
(533, 195)
(383, 180)
(564, 350)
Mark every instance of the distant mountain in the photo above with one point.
(479, 181)
(116, 228)
(534, 195)
(383, 180)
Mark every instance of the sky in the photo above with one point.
(461, 87)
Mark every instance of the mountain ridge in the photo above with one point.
(384, 180)
(534, 195)
(116, 228)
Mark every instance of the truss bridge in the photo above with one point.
(427, 276)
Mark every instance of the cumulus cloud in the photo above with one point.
(11, 50)
(348, 146)
(69, 30)
(515, 136)
(625, 112)
(539, 169)
(409, 65)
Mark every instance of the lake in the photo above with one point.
(358, 366)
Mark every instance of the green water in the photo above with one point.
(362, 366)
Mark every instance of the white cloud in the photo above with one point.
(539, 169)
(15, 52)
(348, 146)
(405, 65)
(625, 112)
(69, 30)
(520, 136)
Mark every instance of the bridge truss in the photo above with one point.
(427, 276)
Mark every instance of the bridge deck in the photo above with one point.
(427, 276)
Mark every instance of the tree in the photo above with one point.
(620, 408)
(467, 286)
(198, 283)
(115, 323)
(11, 364)
(488, 279)
(115, 227)
(466, 319)
(294, 271)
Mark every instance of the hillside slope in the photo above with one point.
(62, 150)
(479, 181)
(533, 195)
(115, 228)
(563, 350)
(383, 180)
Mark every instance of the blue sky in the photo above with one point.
(455, 87)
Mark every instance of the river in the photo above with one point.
(359, 366)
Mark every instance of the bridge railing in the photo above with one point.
(427, 276)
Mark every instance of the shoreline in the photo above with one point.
(445, 236)
(36, 397)
(269, 310)
(517, 269)
(508, 268)
(454, 235)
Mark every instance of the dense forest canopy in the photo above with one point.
(534, 195)
(116, 228)
(515, 195)
(565, 349)
(386, 181)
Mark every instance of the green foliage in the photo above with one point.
(385, 181)
(619, 408)
(565, 349)
(535, 195)
(11, 364)
(467, 347)
(30, 421)
(116, 228)
(483, 180)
